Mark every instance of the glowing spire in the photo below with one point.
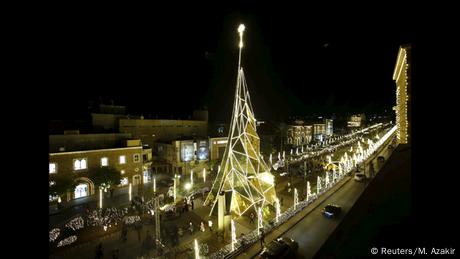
(240, 31)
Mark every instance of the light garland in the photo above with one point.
(76, 223)
(67, 241)
(54, 234)
(132, 219)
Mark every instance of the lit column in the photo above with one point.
(197, 250)
(130, 191)
(204, 175)
(174, 190)
(233, 235)
(259, 220)
(296, 198)
(100, 198)
(191, 177)
(154, 185)
(308, 190)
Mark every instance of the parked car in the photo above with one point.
(331, 211)
(359, 177)
(283, 247)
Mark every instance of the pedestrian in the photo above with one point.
(243, 240)
(210, 225)
(191, 228)
(262, 237)
(202, 226)
(111, 193)
(193, 205)
(99, 251)
(251, 218)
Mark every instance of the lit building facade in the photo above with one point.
(298, 135)
(401, 76)
(319, 131)
(77, 155)
(184, 155)
(78, 164)
(357, 121)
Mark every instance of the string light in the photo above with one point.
(233, 230)
(67, 241)
(54, 234)
(76, 223)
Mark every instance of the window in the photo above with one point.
(79, 164)
(122, 160)
(53, 168)
(104, 161)
(137, 158)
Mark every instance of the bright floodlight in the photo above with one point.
(241, 28)
(188, 186)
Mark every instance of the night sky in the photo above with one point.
(296, 61)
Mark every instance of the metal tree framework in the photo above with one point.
(243, 171)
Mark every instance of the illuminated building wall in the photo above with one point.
(319, 129)
(184, 155)
(298, 135)
(401, 76)
(357, 121)
(132, 168)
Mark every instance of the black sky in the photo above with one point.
(297, 61)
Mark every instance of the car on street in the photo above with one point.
(331, 211)
(359, 177)
(283, 247)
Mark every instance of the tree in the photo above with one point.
(105, 177)
(62, 184)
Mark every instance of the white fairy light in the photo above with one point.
(233, 234)
(54, 234)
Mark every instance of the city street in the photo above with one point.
(314, 229)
